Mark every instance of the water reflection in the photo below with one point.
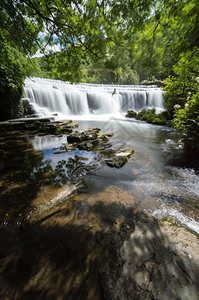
(24, 172)
(74, 170)
(157, 174)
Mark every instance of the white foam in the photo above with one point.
(166, 211)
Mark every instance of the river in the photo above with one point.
(158, 177)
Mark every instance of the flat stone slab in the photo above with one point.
(159, 261)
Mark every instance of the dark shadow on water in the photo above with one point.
(22, 172)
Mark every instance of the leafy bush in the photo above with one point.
(10, 96)
(131, 114)
(149, 116)
(186, 121)
(177, 91)
(184, 85)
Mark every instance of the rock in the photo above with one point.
(87, 145)
(83, 135)
(156, 264)
(154, 83)
(60, 197)
(119, 159)
(157, 260)
(25, 101)
(70, 147)
(39, 125)
(103, 137)
(110, 134)
(106, 151)
(59, 152)
(32, 116)
(89, 139)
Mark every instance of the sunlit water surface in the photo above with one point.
(158, 177)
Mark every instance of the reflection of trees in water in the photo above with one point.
(74, 169)
(23, 171)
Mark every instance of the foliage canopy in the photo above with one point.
(91, 34)
(104, 41)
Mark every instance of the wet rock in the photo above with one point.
(107, 152)
(83, 135)
(87, 145)
(70, 147)
(39, 125)
(160, 261)
(119, 159)
(89, 139)
(28, 108)
(103, 137)
(32, 116)
(59, 152)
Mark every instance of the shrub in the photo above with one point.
(186, 121)
(131, 114)
(149, 116)
(10, 97)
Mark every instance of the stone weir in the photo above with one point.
(51, 96)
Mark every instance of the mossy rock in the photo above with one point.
(131, 114)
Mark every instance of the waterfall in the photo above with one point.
(68, 99)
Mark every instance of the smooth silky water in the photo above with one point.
(158, 177)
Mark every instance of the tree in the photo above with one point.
(152, 36)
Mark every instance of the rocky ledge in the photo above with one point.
(87, 139)
(158, 260)
(39, 125)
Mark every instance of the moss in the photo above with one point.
(131, 114)
(179, 225)
(59, 130)
(171, 221)
(159, 120)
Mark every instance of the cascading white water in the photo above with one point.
(90, 99)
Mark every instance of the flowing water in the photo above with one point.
(90, 101)
(158, 177)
